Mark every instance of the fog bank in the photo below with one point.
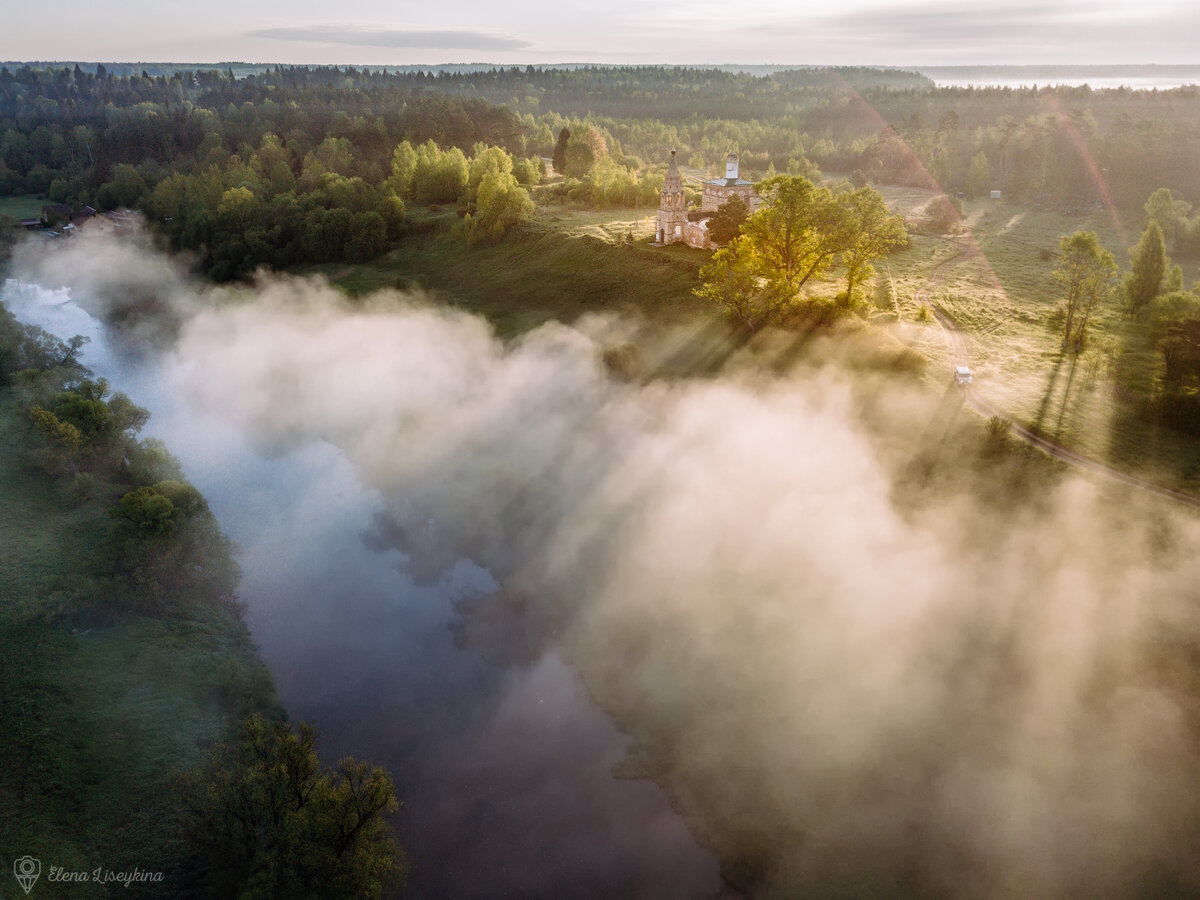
(844, 693)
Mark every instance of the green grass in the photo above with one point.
(24, 206)
(98, 709)
(556, 268)
(1005, 299)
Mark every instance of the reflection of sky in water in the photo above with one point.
(504, 771)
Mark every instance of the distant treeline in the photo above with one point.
(75, 125)
(278, 169)
(1069, 147)
(314, 147)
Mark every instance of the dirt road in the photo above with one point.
(956, 340)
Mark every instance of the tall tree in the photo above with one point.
(1087, 271)
(979, 176)
(560, 151)
(581, 158)
(872, 231)
(1147, 266)
(404, 164)
(501, 203)
(798, 234)
(733, 279)
(1181, 353)
(1169, 213)
(595, 140)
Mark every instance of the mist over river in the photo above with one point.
(502, 763)
(867, 651)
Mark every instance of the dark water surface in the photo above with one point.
(500, 759)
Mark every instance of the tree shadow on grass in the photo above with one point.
(935, 448)
(1134, 434)
(703, 351)
(943, 420)
(1062, 409)
(805, 323)
(1048, 396)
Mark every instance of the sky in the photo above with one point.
(768, 32)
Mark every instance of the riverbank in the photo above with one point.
(504, 769)
(102, 705)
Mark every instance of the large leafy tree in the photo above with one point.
(499, 204)
(1170, 213)
(796, 234)
(487, 160)
(1181, 353)
(734, 280)
(580, 159)
(1087, 271)
(871, 231)
(404, 166)
(799, 233)
(979, 176)
(269, 822)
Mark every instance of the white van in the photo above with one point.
(962, 375)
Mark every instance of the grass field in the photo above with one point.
(98, 710)
(999, 285)
(25, 206)
(1005, 298)
(558, 267)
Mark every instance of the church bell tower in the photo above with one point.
(672, 208)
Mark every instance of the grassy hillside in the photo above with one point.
(559, 267)
(99, 708)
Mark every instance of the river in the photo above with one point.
(502, 763)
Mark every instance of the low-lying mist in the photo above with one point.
(847, 689)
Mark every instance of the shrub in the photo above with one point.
(998, 428)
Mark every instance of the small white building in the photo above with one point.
(719, 190)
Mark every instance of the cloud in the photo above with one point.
(457, 39)
(1021, 33)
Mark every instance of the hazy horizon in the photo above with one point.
(1100, 76)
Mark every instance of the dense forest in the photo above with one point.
(309, 153)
